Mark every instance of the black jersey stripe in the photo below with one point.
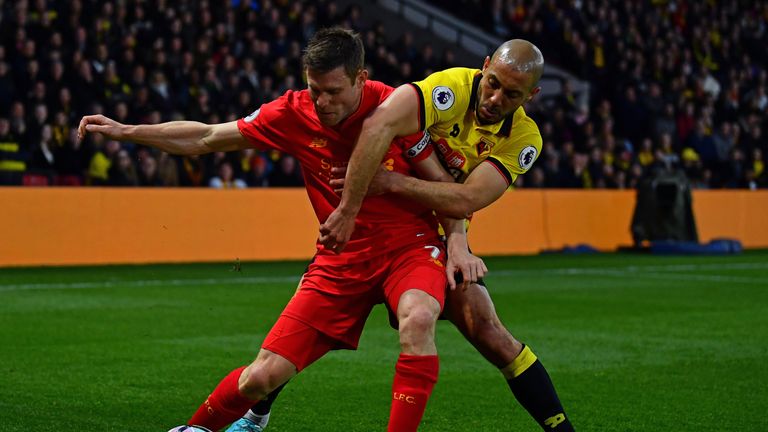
(422, 112)
(502, 169)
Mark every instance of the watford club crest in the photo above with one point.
(483, 147)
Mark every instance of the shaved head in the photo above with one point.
(509, 79)
(521, 56)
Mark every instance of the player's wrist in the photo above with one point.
(396, 182)
(127, 132)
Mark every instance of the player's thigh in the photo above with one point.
(418, 268)
(300, 344)
(335, 311)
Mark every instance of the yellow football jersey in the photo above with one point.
(447, 111)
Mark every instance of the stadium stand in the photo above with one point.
(664, 88)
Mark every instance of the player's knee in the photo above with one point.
(256, 383)
(419, 319)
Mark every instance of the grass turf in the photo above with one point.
(632, 342)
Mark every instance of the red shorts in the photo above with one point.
(333, 301)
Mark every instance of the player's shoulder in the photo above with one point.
(375, 92)
(519, 146)
(456, 76)
(283, 108)
(445, 95)
(524, 127)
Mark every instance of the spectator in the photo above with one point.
(123, 172)
(225, 178)
(653, 69)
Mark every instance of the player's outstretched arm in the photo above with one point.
(176, 137)
(396, 116)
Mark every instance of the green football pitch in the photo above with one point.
(632, 342)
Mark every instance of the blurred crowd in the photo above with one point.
(682, 83)
(156, 61)
(675, 82)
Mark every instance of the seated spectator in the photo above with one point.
(286, 173)
(123, 171)
(148, 172)
(225, 179)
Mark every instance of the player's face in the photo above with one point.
(502, 90)
(335, 96)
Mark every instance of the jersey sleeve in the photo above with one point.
(517, 158)
(261, 127)
(443, 96)
(416, 147)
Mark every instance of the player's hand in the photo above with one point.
(100, 124)
(471, 268)
(382, 182)
(337, 229)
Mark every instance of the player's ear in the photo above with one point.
(486, 62)
(361, 77)
(533, 93)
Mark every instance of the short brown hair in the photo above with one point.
(333, 47)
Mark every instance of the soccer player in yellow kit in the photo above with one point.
(484, 139)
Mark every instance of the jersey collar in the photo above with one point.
(502, 128)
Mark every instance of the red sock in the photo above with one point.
(415, 376)
(224, 405)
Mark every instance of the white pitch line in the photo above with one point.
(148, 283)
(673, 271)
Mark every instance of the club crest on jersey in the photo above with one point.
(443, 98)
(318, 143)
(252, 116)
(483, 147)
(527, 157)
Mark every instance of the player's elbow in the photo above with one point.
(460, 208)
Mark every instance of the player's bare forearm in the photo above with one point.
(483, 186)
(177, 137)
(187, 137)
(396, 116)
(371, 147)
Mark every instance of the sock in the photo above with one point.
(415, 376)
(532, 387)
(259, 413)
(264, 406)
(224, 405)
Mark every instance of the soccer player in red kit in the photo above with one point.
(395, 256)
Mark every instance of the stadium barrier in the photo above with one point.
(68, 226)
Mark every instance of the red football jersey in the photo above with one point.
(289, 124)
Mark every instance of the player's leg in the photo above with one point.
(415, 291)
(473, 313)
(258, 415)
(241, 388)
(314, 326)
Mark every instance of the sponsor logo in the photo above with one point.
(555, 420)
(389, 164)
(418, 147)
(318, 143)
(443, 98)
(452, 158)
(252, 116)
(527, 157)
